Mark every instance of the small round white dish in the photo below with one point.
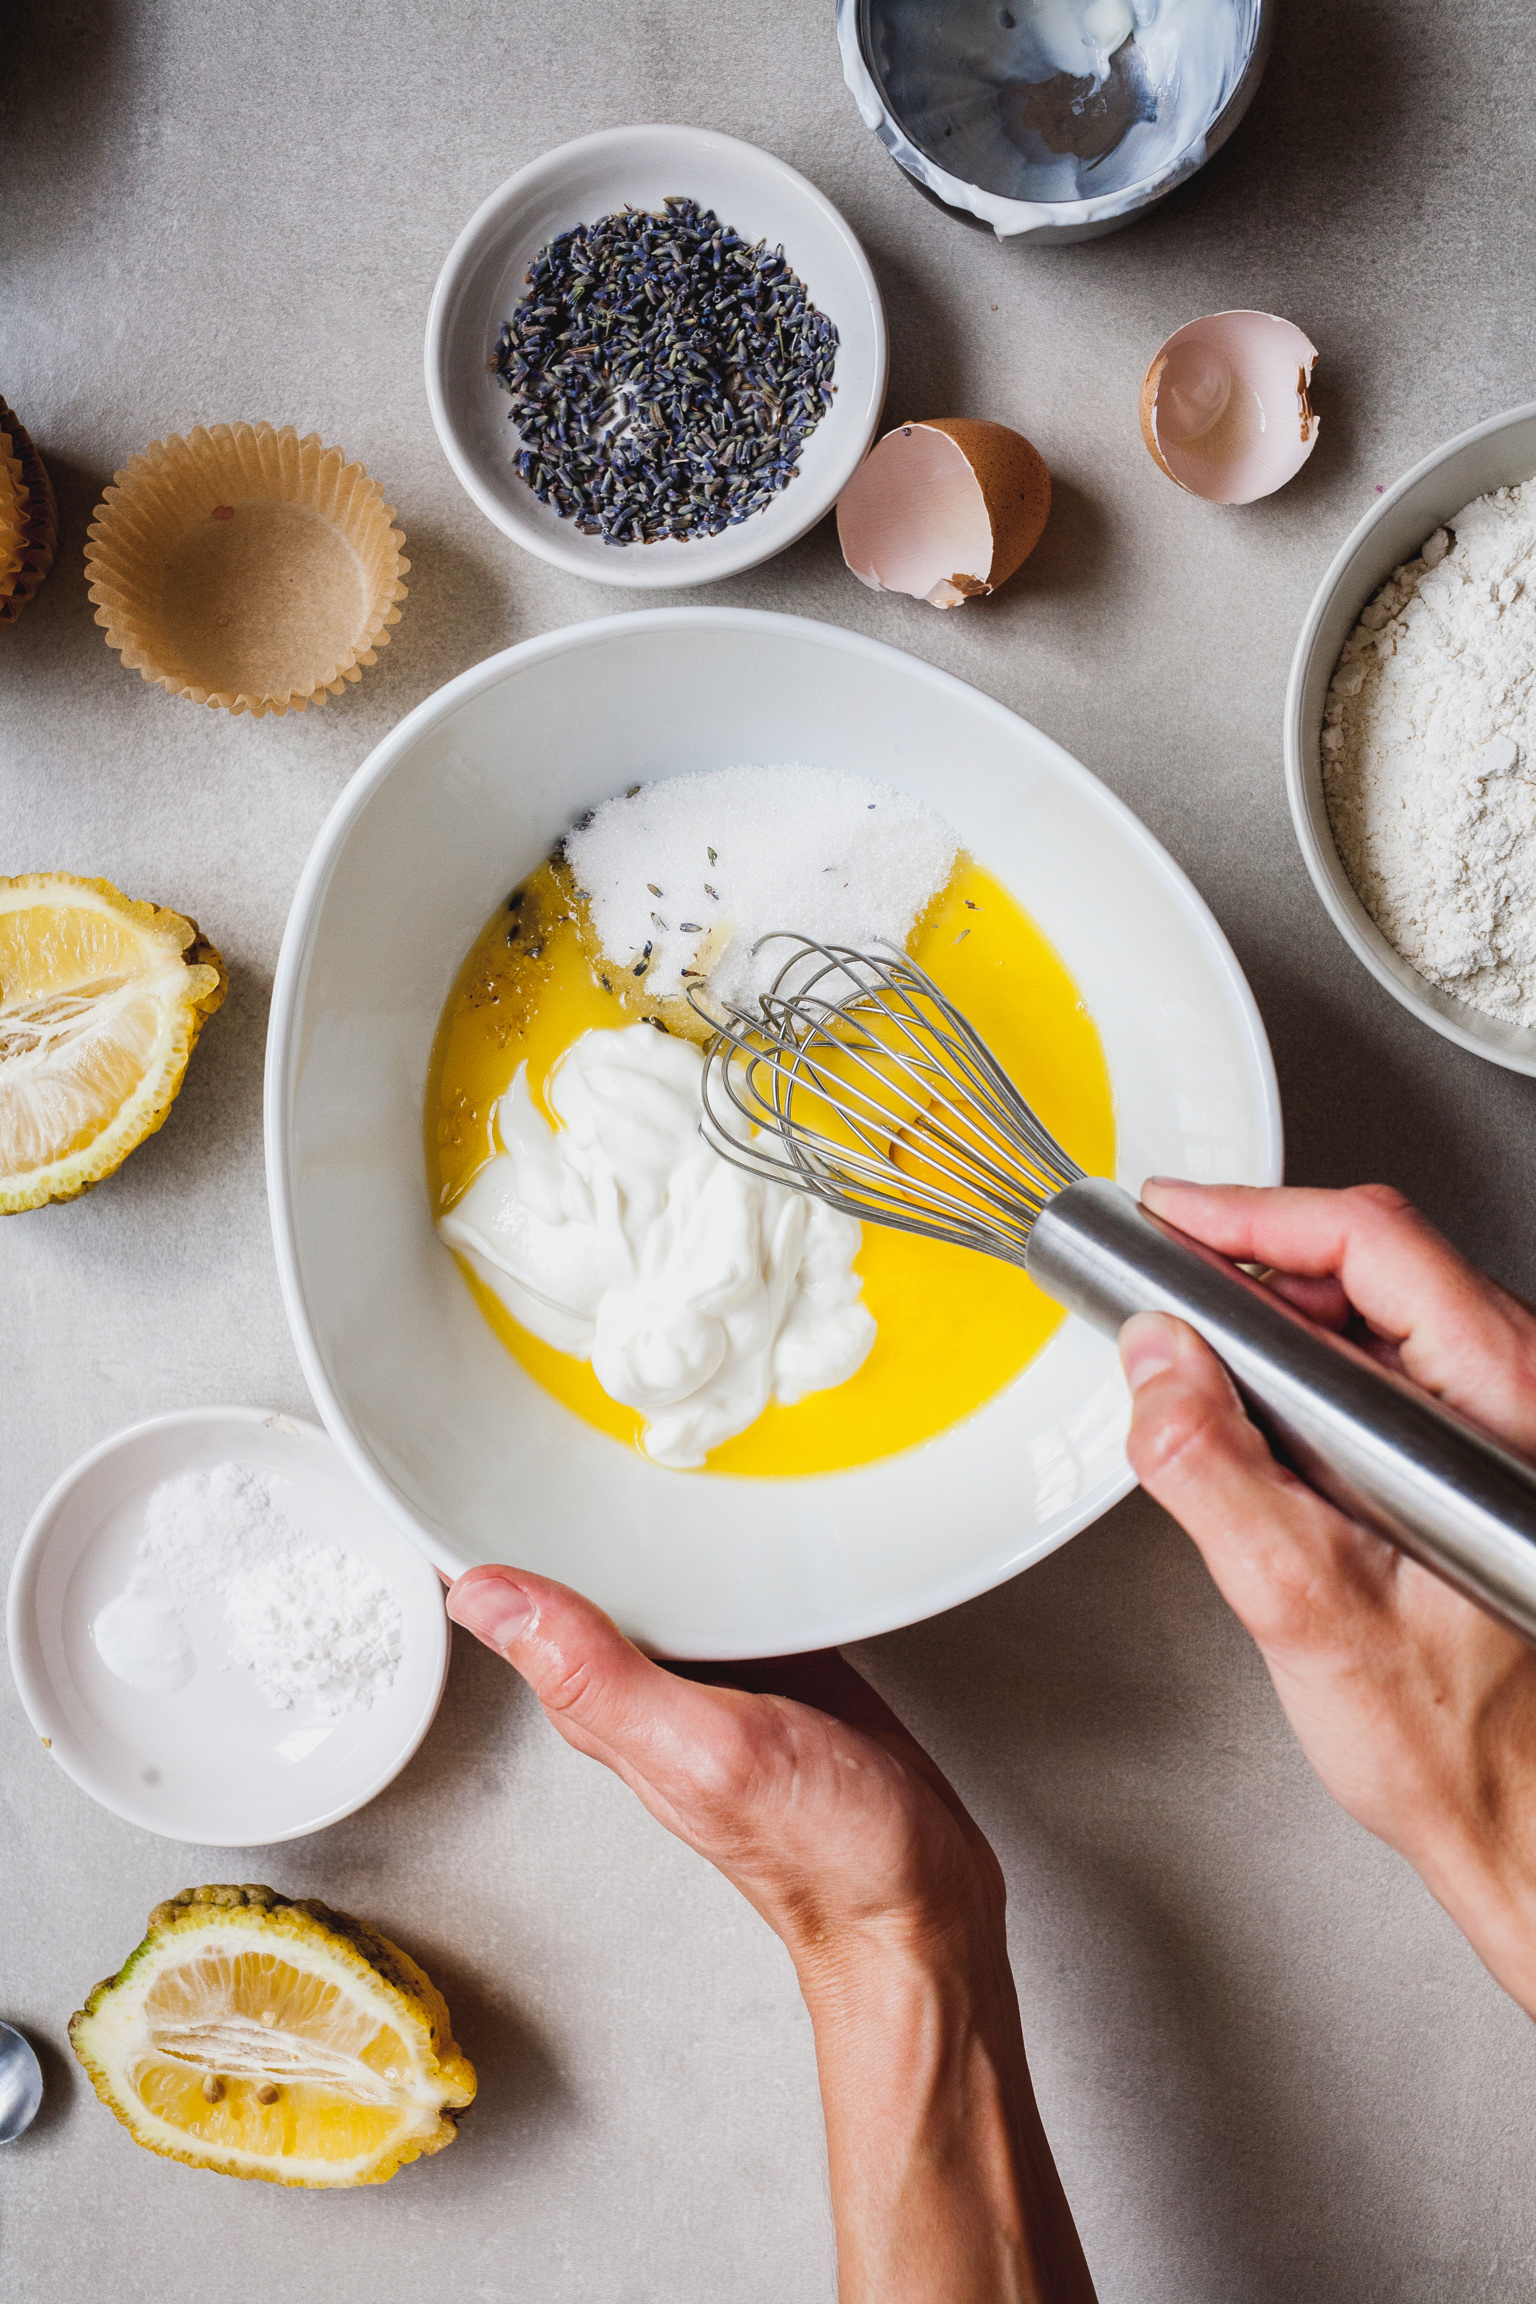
(482, 282)
(215, 1762)
(437, 1419)
(1497, 454)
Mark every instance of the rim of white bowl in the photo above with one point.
(1303, 776)
(724, 555)
(292, 970)
(36, 1689)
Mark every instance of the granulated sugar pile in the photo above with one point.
(314, 1624)
(683, 876)
(1429, 757)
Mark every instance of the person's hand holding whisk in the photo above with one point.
(1417, 1710)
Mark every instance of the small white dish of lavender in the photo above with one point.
(656, 356)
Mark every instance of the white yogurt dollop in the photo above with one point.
(699, 1293)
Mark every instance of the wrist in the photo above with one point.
(864, 1981)
(942, 2179)
(1489, 1891)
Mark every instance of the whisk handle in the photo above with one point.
(1364, 1437)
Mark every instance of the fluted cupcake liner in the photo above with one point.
(246, 568)
(29, 520)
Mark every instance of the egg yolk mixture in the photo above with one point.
(954, 1327)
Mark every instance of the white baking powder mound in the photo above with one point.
(683, 876)
(312, 1623)
(1429, 757)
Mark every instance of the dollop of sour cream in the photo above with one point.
(699, 1293)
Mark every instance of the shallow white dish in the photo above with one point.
(482, 282)
(447, 815)
(215, 1762)
(1497, 454)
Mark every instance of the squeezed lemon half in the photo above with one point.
(101, 1003)
(283, 2041)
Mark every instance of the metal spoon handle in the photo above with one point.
(1364, 1437)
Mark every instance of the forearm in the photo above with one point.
(944, 2190)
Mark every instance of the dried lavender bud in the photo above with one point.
(663, 374)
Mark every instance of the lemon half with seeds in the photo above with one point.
(280, 2040)
(101, 1003)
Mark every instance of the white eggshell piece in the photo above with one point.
(913, 517)
(1232, 415)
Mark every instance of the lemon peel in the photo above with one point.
(262, 2037)
(102, 999)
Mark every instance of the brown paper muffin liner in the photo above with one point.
(29, 520)
(13, 516)
(246, 568)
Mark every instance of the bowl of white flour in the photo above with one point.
(1410, 740)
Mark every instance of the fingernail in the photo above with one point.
(1177, 1183)
(495, 1609)
(1146, 1348)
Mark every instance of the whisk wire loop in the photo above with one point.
(859, 1082)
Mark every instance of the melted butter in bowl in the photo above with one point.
(802, 1386)
(1052, 119)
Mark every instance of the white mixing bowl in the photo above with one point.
(437, 1419)
(1498, 454)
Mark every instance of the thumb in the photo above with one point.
(604, 1697)
(1291, 1567)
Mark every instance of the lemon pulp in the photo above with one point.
(954, 1327)
(277, 2040)
(102, 999)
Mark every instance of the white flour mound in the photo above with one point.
(1429, 757)
(312, 1623)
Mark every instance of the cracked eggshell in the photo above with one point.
(944, 509)
(1225, 406)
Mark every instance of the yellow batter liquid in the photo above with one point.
(954, 1327)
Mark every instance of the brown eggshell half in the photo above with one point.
(1226, 409)
(945, 509)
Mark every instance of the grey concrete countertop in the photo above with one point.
(1271, 2069)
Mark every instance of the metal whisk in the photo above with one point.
(859, 1082)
